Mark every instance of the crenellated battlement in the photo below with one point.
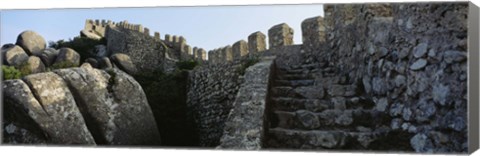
(97, 29)
(313, 32)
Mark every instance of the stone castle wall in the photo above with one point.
(409, 60)
(211, 93)
(213, 87)
(414, 56)
(148, 52)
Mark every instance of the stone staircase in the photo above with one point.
(312, 107)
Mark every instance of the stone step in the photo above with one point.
(342, 90)
(328, 119)
(309, 66)
(305, 66)
(336, 139)
(308, 92)
(301, 76)
(294, 83)
(293, 104)
(283, 91)
(291, 71)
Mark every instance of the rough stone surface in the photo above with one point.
(48, 56)
(256, 42)
(240, 49)
(124, 62)
(211, 93)
(35, 65)
(244, 127)
(420, 50)
(105, 63)
(24, 116)
(93, 62)
(68, 56)
(15, 56)
(145, 52)
(31, 42)
(405, 62)
(280, 35)
(114, 105)
(100, 51)
(57, 102)
(419, 64)
(421, 143)
(90, 34)
(78, 106)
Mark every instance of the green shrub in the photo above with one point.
(186, 65)
(64, 64)
(247, 63)
(166, 94)
(82, 45)
(10, 72)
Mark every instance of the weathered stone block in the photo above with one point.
(168, 38)
(240, 48)
(146, 31)
(280, 35)
(156, 36)
(227, 53)
(313, 31)
(256, 42)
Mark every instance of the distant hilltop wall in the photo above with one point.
(147, 52)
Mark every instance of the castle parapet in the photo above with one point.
(256, 42)
(201, 55)
(239, 49)
(313, 32)
(156, 36)
(280, 35)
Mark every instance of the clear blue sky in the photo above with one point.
(206, 27)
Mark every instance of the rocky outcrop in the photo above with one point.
(31, 42)
(15, 56)
(68, 57)
(35, 65)
(90, 34)
(124, 62)
(61, 116)
(48, 56)
(78, 106)
(113, 116)
(105, 63)
(23, 117)
(30, 54)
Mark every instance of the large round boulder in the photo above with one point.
(31, 42)
(93, 62)
(15, 56)
(4, 49)
(67, 57)
(104, 63)
(48, 56)
(124, 62)
(35, 65)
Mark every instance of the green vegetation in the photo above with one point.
(247, 63)
(167, 95)
(186, 65)
(61, 65)
(82, 45)
(10, 72)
